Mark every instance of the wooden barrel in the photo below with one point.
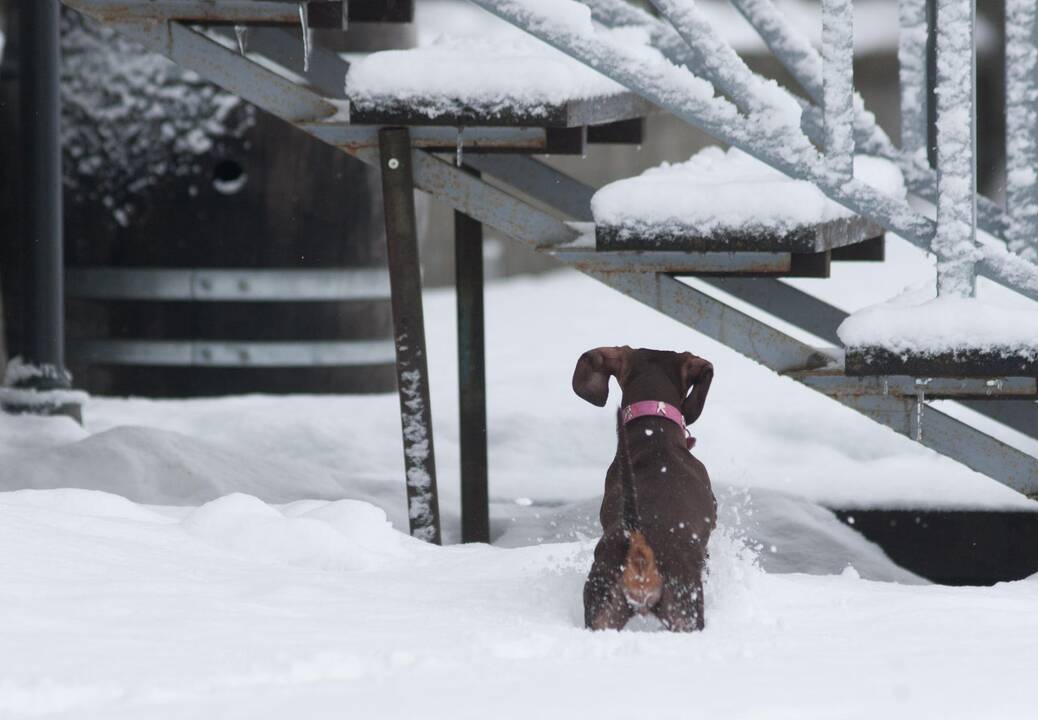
(242, 258)
(262, 272)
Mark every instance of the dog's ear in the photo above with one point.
(696, 374)
(595, 367)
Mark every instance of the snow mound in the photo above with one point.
(340, 536)
(918, 322)
(720, 191)
(492, 76)
(160, 467)
(74, 501)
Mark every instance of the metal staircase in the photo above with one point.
(273, 74)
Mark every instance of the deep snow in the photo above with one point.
(173, 595)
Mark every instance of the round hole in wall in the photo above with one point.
(229, 177)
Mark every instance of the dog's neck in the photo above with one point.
(667, 416)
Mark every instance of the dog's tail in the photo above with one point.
(642, 583)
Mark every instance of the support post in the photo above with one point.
(472, 390)
(955, 242)
(409, 332)
(40, 380)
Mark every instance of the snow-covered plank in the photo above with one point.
(1022, 127)
(493, 81)
(955, 242)
(917, 333)
(728, 200)
(911, 57)
(838, 84)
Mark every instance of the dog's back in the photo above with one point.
(658, 509)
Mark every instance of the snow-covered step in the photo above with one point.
(918, 334)
(728, 201)
(834, 382)
(474, 82)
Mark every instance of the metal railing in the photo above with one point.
(738, 117)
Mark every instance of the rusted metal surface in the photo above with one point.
(683, 263)
(226, 67)
(351, 138)
(405, 278)
(835, 383)
(321, 13)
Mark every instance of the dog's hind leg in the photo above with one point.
(605, 607)
(681, 607)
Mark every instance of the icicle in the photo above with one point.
(920, 401)
(304, 22)
(242, 33)
(458, 148)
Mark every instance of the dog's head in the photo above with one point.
(645, 375)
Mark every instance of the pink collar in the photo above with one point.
(658, 408)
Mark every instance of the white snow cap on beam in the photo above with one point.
(718, 190)
(918, 322)
(492, 75)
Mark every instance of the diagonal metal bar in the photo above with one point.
(284, 47)
(784, 354)
(538, 180)
(483, 202)
(227, 68)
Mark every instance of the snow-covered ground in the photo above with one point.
(152, 590)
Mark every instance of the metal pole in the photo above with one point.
(409, 332)
(43, 349)
(1021, 30)
(838, 85)
(955, 242)
(472, 388)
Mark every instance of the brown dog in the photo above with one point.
(658, 509)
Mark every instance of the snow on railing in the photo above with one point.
(567, 26)
(798, 55)
(955, 243)
(1022, 127)
(838, 84)
(911, 58)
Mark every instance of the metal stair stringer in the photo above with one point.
(786, 355)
